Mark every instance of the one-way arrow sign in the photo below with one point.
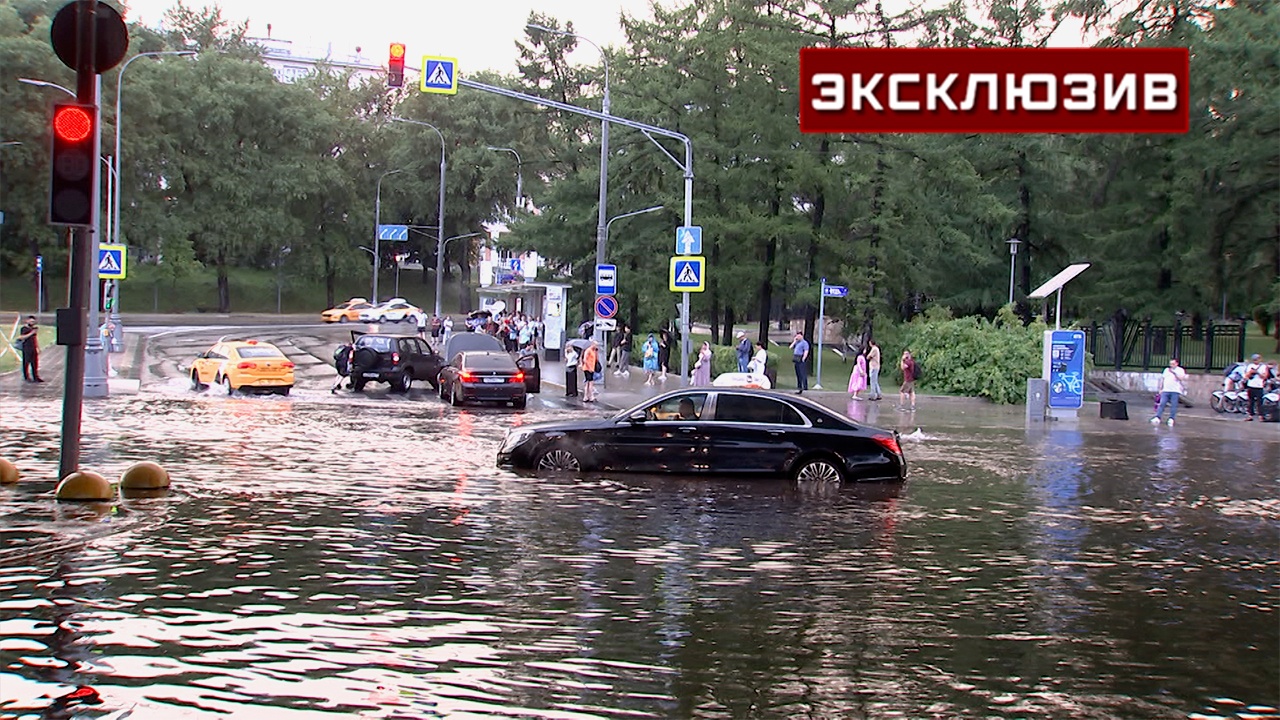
(393, 233)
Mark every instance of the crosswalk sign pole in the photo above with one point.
(822, 310)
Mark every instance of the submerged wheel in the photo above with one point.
(405, 381)
(559, 459)
(819, 470)
(455, 398)
(195, 381)
(226, 383)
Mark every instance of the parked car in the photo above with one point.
(348, 311)
(472, 341)
(243, 365)
(398, 360)
(393, 310)
(485, 376)
(713, 430)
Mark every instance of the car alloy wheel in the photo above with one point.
(406, 380)
(559, 459)
(226, 383)
(819, 470)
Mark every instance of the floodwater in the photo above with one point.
(325, 556)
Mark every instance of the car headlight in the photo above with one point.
(514, 439)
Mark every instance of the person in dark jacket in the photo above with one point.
(30, 342)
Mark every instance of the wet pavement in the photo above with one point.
(360, 556)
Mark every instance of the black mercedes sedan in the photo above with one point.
(702, 430)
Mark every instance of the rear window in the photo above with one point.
(488, 361)
(745, 408)
(258, 351)
(380, 344)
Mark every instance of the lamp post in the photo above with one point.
(604, 335)
(519, 174)
(440, 215)
(601, 229)
(117, 332)
(377, 223)
(1013, 257)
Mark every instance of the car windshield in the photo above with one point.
(259, 351)
(488, 361)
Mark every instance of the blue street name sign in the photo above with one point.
(835, 291)
(606, 306)
(1066, 369)
(606, 279)
(689, 240)
(393, 233)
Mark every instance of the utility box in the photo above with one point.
(1037, 398)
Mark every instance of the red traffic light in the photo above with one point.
(397, 52)
(395, 65)
(72, 123)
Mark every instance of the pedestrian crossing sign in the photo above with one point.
(688, 273)
(111, 262)
(439, 75)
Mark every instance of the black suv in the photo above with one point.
(398, 360)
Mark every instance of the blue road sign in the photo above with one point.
(111, 262)
(835, 291)
(689, 240)
(688, 274)
(39, 263)
(439, 75)
(606, 279)
(1066, 369)
(606, 306)
(393, 233)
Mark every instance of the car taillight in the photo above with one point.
(888, 442)
(519, 377)
(395, 358)
(466, 377)
(247, 366)
(287, 365)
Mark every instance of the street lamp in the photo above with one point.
(440, 218)
(377, 223)
(1013, 257)
(519, 174)
(601, 229)
(117, 332)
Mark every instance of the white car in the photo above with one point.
(393, 310)
(742, 380)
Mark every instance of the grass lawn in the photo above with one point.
(13, 360)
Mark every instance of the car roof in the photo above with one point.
(772, 394)
(357, 334)
(247, 343)
(470, 341)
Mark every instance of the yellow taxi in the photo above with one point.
(243, 365)
(348, 311)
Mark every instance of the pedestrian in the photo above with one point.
(756, 365)
(446, 330)
(570, 371)
(436, 325)
(664, 353)
(342, 363)
(800, 358)
(1255, 381)
(702, 367)
(420, 319)
(858, 378)
(104, 336)
(873, 371)
(649, 356)
(1172, 387)
(744, 351)
(28, 338)
(592, 370)
(624, 352)
(910, 371)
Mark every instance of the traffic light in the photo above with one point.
(72, 165)
(395, 66)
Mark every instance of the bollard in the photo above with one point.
(85, 485)
(8, 472)
(145, 475)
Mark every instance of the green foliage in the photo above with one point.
(973, 356)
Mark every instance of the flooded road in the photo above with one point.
(327, 556)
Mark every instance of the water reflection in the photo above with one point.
(345, 559)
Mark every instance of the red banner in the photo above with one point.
(994, 90)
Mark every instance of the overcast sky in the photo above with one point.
(481, 34)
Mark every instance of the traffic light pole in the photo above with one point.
(95, 366)
(72, 332)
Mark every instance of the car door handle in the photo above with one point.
(777, 433)
(687, 429)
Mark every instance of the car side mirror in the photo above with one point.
(636, 417)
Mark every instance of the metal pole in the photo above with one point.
(519, 173)
(377, 223)
(822, 311)
(95, 372)
(440, 232)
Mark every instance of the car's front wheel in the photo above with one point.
(819, 470)
(342, 318)
(195, 381)
(226, 384)
(559, 459)
(405, 381)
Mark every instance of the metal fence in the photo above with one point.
(1139, 345)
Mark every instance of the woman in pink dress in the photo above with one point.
(858, 378)
(702, 368)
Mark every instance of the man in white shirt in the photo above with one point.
(1255, 381)
(1172, 387)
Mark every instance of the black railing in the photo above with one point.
(1140, 345)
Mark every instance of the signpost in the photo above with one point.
(39, 283)
(689, 240)
(606, 279)
(111, 262)
(827, 291)
(1065, 358)
(606, 307)
(393, 233)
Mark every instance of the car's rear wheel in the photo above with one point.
(357, 385)
(226, 384)
(455, 398)
(820, 469)
(382, 318)
(559, 459)
(405, 381)
(284, 391)
(195, 381)
(342, 318)
(520, 402)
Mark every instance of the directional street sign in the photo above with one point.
(606, 279)
(606, 306)
(688, 274)
(39, 263)
(606, 324)
(439, 75)
(689, 240)
(393, 233)
(835, 291)
(111, 262)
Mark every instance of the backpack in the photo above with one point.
(918, 374)
(342, 359)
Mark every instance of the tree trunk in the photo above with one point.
(729, 321)
(1023, 231)
(224, 288)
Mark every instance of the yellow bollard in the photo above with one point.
(85, 485)
(145, 475)
(8, 472)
